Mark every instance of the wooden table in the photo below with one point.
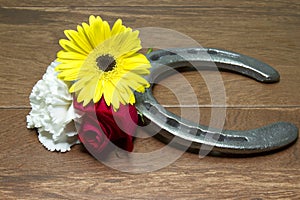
(266, 30)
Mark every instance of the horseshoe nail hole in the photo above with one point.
(148, 106)
(237, 139)
(199, 132)
(169, 53)
(214, 136)
(212, 51)
(156, 57)
(151, 108)
(192, 51)
(219, 137)
(172, 122)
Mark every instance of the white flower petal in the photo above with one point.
(63, 144)
(53, 112)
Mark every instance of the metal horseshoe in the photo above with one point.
(271, 137)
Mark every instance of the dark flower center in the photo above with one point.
(106, 63)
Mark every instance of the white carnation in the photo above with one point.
(53, 112)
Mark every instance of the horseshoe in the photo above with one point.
(191, 135)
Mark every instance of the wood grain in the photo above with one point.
(29, 171)
(276, 4)
(39, 28)
(266, 30)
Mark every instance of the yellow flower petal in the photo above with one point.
(81, 42)
(98, 92)
(79, 62)
(108, 92)
(126, 42)
(67, 55)
(83, 37)
(115, 101)
(125, 92)
(68, 75)
(71, 47)
(96, 27)
(135, 82)
(118, 27)
(72, 64)
(78, 85)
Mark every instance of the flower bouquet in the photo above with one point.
(87, 94)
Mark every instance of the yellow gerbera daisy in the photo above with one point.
(103, 62)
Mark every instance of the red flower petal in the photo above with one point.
(101, 124)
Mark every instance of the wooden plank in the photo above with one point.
(28, 171)
(166, 3)
(29, 42)
(238, 91)
(269, 31)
